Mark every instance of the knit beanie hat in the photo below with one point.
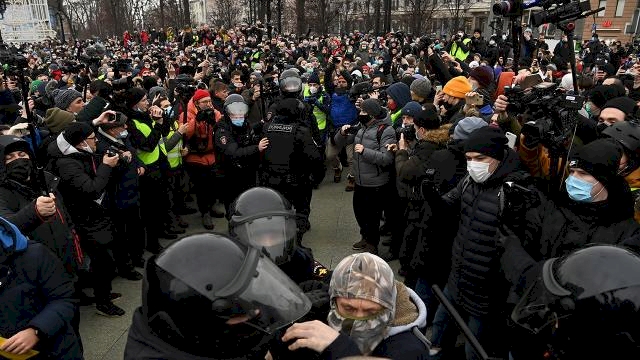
(34, 85)
(600, 158)
(64, 97)
(149, 82)
(314, 78)
(372, 107)
(483, 75)
(57, 119)
(421, 87)
(76, 132)
(457, 87)
(400, 93)
(427, 118)
(487, 140)
(134, 96)
(200, 94)
(622, 103)
(412, 109)
(600, 94)
(466, 126)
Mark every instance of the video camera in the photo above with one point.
(364, 88)
(9, 56)
(553, 113)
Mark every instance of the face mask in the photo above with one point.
(19, 169)
(587, 108)
(601, 127)
(237, 121)
(504, 37)
(460, 34)
(392, 105)
(168, 111)
(367, 334)
(379, 62)
(313, 89)
(479, 171)
(87, 148)
(579, 190)
(123, 134)
(364, 119)
(492, 42)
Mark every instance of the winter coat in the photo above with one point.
(372, 167)
(84, 180)
(142, 344)
(401, 341)
(123, 191)
(17, 204)
(556, 228)
(237, 150)
(38, 294)
(202, 130)
(474, 282)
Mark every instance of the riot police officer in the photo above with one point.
(238, 146)
(290, 159)
(208, 297)
(582, 306)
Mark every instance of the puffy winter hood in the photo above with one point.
(410, 311)
(64, 146)
(11, 240)
(439, 136)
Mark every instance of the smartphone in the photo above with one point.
(438, 88)
(477, 99)
(512, 139)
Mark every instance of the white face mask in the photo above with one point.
(87, 148)
(313, 89)
(479, 171)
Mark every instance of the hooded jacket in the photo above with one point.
(202, 130)
(372, 166)
(83, 183)
(17, 205)
(401, 341)
(37, 294)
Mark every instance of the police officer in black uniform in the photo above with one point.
(209, 297)
(238, 146)
(291, 156)
(585, 305)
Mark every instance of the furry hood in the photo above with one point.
(439, 136)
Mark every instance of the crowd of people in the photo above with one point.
(104, 143)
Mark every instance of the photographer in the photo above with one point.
(200, 161)
(145, 133)
(320, 102)
(372, 161)
(451, 100)
(123, 196)
(459, 47)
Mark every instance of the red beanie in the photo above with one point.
(200, 94)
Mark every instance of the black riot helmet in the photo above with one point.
(210, 296)
(263, 219)
(290, 83)
(627, 133)
(586, 305)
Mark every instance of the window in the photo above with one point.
(602, 4)
(620, 8)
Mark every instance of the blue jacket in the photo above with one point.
(343, 111)
(38, 294)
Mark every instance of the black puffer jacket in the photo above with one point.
(123, 191)
(556, 228)
(474, 282)
(84, 179)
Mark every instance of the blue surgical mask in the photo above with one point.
(168, 110)
(123, 134)
(579, 190)
(237, 121)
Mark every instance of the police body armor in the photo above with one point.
(280, 155)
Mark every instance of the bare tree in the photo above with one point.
(456, 9)
(420, 10)
(227, 13)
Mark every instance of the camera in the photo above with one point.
(114, 151)
(409, 133)
(352, 130)
(121, 84)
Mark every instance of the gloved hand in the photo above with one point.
(531, 134)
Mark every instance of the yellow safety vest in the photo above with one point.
(395, 116)
(457, 53)
(173, 156)
(148, 158)
(321, 118)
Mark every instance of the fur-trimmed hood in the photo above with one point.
(439, 136)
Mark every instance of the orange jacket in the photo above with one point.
(200, 129)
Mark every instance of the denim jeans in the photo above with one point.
(445, 331)
(423, 289)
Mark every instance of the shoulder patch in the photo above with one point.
(284, 128)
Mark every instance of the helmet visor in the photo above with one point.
(269, 302)
(237, 108)
(273, 236)
(291, 84)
